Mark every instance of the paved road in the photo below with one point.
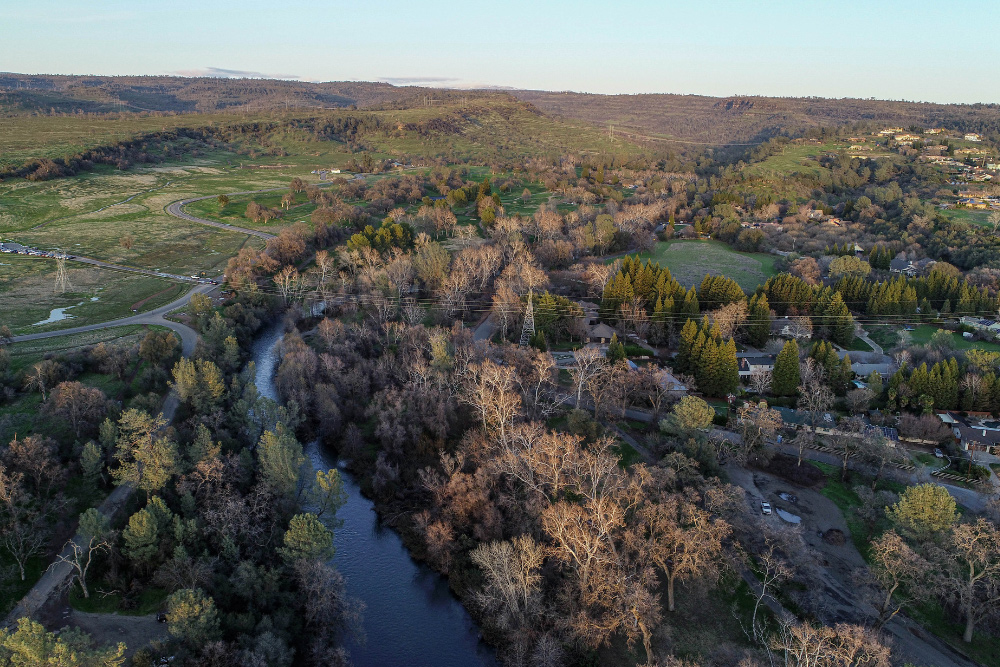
(188, 336)
(176, 209)
(485, 329)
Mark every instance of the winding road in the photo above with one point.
(188, 336)
(176, 209)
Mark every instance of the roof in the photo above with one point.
(866, 369)
(760, 359)
(887, 432)
(670, 383)
(601, 330)
(982, 436)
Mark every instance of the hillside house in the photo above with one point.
(972, 136)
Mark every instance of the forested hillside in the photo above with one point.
(750, 120)
(20, 93)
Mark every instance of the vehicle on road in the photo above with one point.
(765, 507)
(938, 453)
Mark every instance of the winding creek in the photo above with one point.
(410, 616)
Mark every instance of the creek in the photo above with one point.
(410, 616)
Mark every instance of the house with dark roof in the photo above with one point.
(977, 439)
(748, 365)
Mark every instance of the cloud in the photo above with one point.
(441, 82)
(222, 73)
(434, 81)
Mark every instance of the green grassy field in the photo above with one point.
(969, 215)
(689, 261)
(922, 334)
(27, 294)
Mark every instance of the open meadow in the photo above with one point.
(29, 302)
(689, 261)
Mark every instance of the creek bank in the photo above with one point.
(411, 617)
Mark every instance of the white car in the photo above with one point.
(938, 453)
(765, 507)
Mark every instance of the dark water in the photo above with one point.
(410, 619)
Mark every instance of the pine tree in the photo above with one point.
(785, 379)
(690, 307)
(729, 369)
(759, 320)
(616, 350)
(683, 360)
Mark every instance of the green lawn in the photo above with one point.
(969, 215)
(858, 345)
(887, 336)
(689, 261)
(922, 334)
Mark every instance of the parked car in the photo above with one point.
(938, 453)
(765, 507)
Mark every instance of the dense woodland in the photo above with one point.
(507, 470)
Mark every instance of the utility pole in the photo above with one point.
(62, 280)
(528, 330)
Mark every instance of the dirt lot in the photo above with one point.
(837, 563)
(136, 631)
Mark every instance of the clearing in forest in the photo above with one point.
(689, 261)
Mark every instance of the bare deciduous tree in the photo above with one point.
(898, 571)
(968, 565)
(511, 569)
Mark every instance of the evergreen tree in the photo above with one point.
(616, 350)
(758, 320)
(786, 379)
(728, 369)
(685, 349)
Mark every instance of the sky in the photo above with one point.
(943, 51)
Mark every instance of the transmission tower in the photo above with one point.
(528, 330)
(62, 280)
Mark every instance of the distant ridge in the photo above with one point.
(683, 119)
(750, 119)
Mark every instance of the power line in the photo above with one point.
(62, 279)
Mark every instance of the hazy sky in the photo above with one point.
(941, 51)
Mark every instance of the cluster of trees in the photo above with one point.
(934, 555)
(831, 317)
(388, 236)
(702, 353)
(948, 384)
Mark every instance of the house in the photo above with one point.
(934, 130)
(980, 323)
(600, 333)
(334, 171)
(864, 370)
(972, 136)
(976, 439)
(907, 138)
(762, 362)
(904, 266)
(671, 384)
(800, 420)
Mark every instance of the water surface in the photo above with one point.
(411, 618)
